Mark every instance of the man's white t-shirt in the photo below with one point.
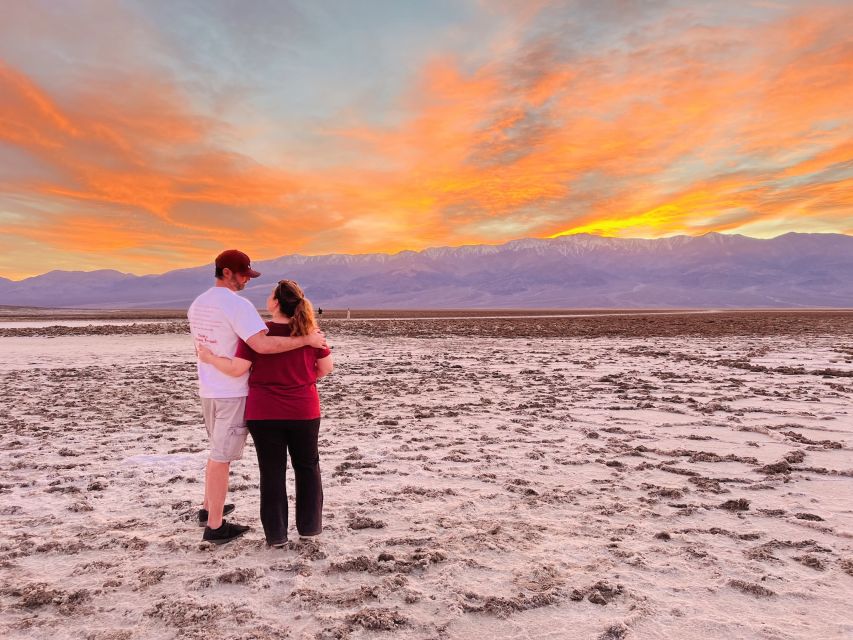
(219, 318)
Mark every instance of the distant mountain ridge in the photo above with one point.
(709, 271)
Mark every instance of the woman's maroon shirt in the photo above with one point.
(282, 385)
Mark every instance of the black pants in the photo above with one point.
(273, 439)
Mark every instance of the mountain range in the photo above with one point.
(578, 271)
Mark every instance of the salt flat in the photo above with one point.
(672, 486)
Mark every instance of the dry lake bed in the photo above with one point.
(604, 477)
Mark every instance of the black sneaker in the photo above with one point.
(203, 514)
(226, 533)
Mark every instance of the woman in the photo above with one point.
(283, 413)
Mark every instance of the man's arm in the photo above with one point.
(262, 343)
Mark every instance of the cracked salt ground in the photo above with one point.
(617, 487)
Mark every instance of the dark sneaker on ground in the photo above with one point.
(203, 514)
(226, 533)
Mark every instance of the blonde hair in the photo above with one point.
(294, 304)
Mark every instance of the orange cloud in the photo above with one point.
(685, 129)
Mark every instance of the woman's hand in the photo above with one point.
(204, 354)
(229, 366)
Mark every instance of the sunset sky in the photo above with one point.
(147, 135)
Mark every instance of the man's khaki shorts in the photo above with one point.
(226, 427)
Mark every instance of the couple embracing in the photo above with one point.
(259, 378)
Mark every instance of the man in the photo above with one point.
(219, 319)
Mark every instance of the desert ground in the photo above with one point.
(602, 476)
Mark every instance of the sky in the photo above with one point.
(149, 135)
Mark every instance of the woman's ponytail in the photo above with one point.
(294, 304)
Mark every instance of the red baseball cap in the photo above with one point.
(237, 261)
